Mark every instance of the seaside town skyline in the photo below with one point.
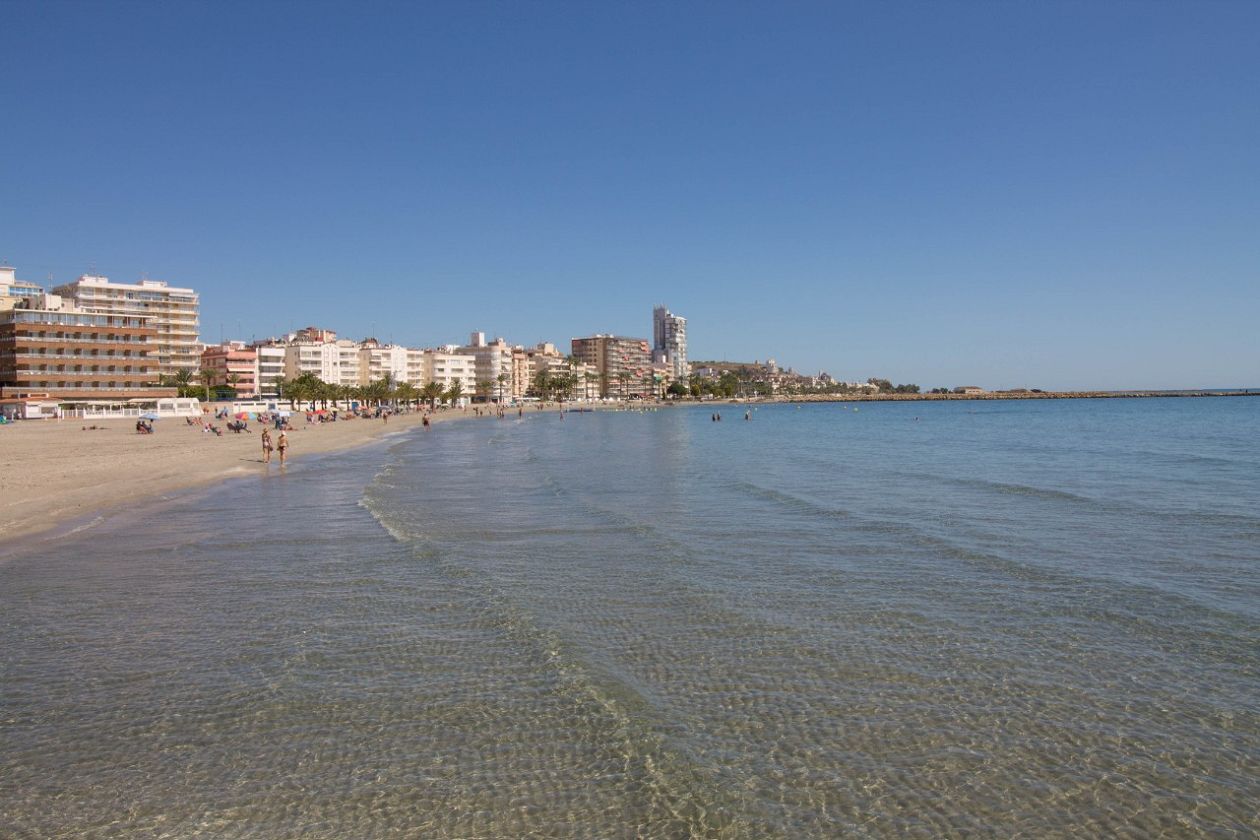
(98, 340)
(95, 341)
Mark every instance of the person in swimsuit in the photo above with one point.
(266, 444)
(283, 445)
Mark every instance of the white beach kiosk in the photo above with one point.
(163, 407)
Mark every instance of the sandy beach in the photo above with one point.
(56, 471)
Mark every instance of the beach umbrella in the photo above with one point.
(242, 415)
(286, 413)
(150, 416)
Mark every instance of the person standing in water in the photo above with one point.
(283, 445)
(266, 445)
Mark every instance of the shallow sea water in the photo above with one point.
(905, 620)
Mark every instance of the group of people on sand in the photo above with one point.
(281, 443)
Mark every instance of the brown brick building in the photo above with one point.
(624, 364)
(74, 356)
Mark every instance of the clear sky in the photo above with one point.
(1006, 194)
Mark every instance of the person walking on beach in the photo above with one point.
(266, 445)
(282, 443)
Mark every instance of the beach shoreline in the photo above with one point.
(58, 472)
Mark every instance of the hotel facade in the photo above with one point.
(49, 347)
(170, 311)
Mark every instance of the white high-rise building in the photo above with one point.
(669, 342)
(171, 311)
(270, 362)
(335, 362)
(492, 361)
(446, 366)
(376, 360)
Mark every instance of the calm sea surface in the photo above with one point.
(901, 620)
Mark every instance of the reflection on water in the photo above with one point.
(916, 620)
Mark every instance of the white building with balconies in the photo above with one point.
(170, 310)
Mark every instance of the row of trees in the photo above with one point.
(742, 382)
(204, 384)
(207, 384)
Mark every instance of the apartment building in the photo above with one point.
(49, 346)
(378, 360)
(170, 311)
(234, 364)
(623, 365)
(417, 367)
(545, 357)
(445, 366)
(335, 362)
(492, 360)
(669, 342)
(269, 358)
(14, 291)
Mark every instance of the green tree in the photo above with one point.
(563, 386)
(542, 383)
(407, 393)
(432, 392)
(454, 392)
(208, 377)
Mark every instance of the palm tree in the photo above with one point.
(501, 379)
(484, 387)
(207, 376)
(387, 385)
(234, 379)
(542, 383)
(565, 384)
(432, 392)
(182, 380)
(454, 392)
(407, 393)
(623, 376)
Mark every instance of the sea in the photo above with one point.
(955, 619)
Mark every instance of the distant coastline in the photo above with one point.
(1006, 395)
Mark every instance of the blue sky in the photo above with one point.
(1010, 194)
